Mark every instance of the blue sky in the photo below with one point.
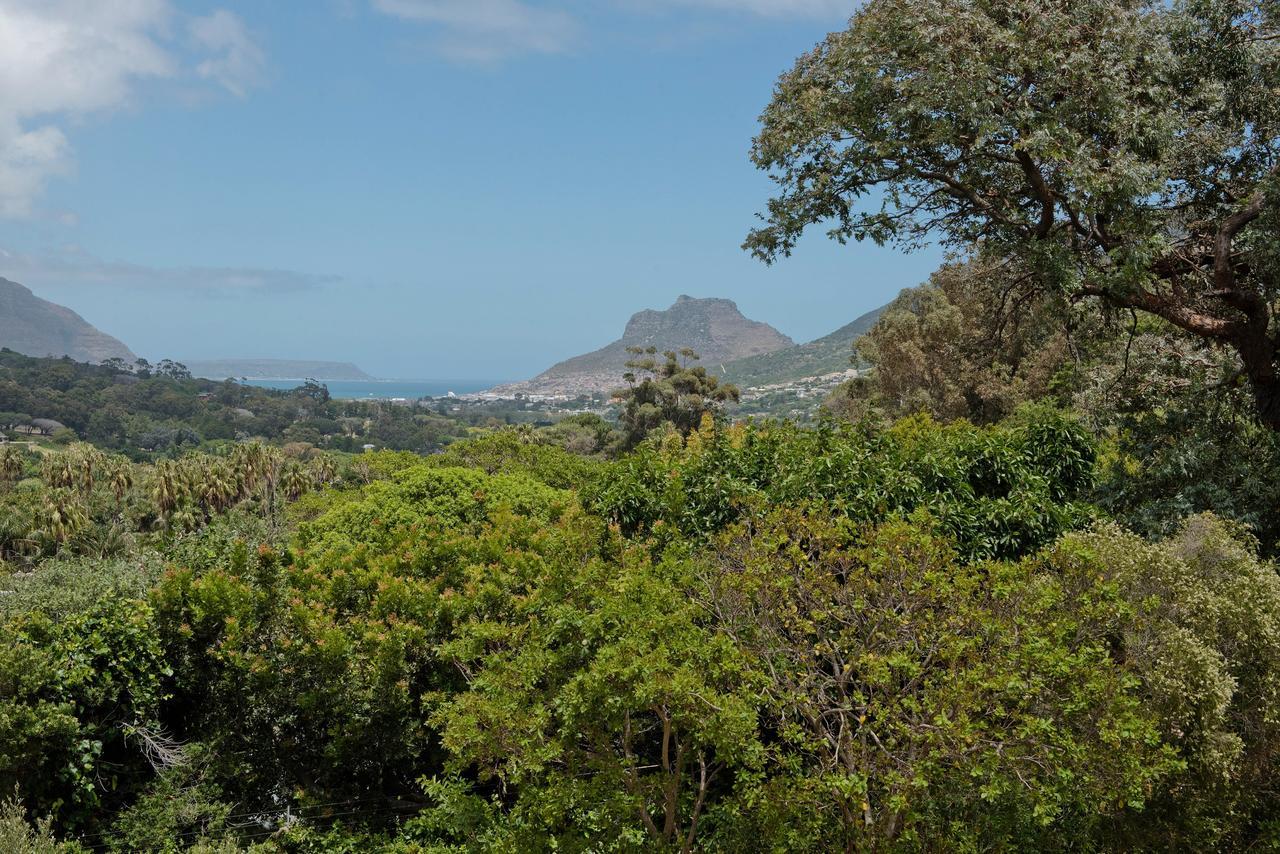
(428, 188)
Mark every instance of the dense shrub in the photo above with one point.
(454, 496)
(754, 637)
(515, 451)
(1200, 630)
(999, 491)
(76, 694)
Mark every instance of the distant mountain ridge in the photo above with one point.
(275, 369)
(714, 327)
(826, 355)
(37, 327)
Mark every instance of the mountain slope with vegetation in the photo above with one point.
(37, 327)
(829, 354)
(714, 328)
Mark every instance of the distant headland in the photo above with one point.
(275, 369)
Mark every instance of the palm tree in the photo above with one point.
(85, 460)
(60, 517)
(120, 480)
(14, 531)
(248, 461)
(324, 470)
(58, 471)
(219, 486)
(295, 482)
(167, 488)
(272, 465)
(11, 466)
(182, 518)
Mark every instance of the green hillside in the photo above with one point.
(826, 355)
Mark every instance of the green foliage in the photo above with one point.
(932, 704)
(675, 392)
(517, 451)
(753, 637)
(181, 810)
(999, 491)
(1201, 630)
(19, 836)
(147, 413)
(71, 693)
(64, 587)
(453, 496)
(308, 683)
(1182, 441)
(977, 341)
(600, 696)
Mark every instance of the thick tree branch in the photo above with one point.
(1041, 190)
(959, 190)
(1224, 268)
(1179, 315)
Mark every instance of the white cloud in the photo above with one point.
(59, 58)
(72, 267)
(236, 63)
(486, 31)
(27, 159)
(62, 60)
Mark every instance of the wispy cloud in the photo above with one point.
(62, 60)
(72, 267)
(486, 31)
(235, 61)
(776, 8)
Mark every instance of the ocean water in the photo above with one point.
(386, 389)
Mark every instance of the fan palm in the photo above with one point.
(11, 465)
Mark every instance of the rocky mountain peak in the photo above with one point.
(714, 327)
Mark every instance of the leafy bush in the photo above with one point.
(1200, 630)
(71, 693)
(999, 491)
(1192, 455)
(61, 588)
(19, 836)
(921, 703)
(454, 496)
(512, 451)
(598, 696)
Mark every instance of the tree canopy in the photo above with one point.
(1128, 151)
(674, 391)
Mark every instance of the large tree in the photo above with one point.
(1116, 149)
(975, 341)
(674, 391)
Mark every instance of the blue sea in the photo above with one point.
(386, 389)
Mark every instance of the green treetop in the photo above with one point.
(674, 391)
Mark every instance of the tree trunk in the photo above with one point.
(1266, 398)
(1258, 355)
